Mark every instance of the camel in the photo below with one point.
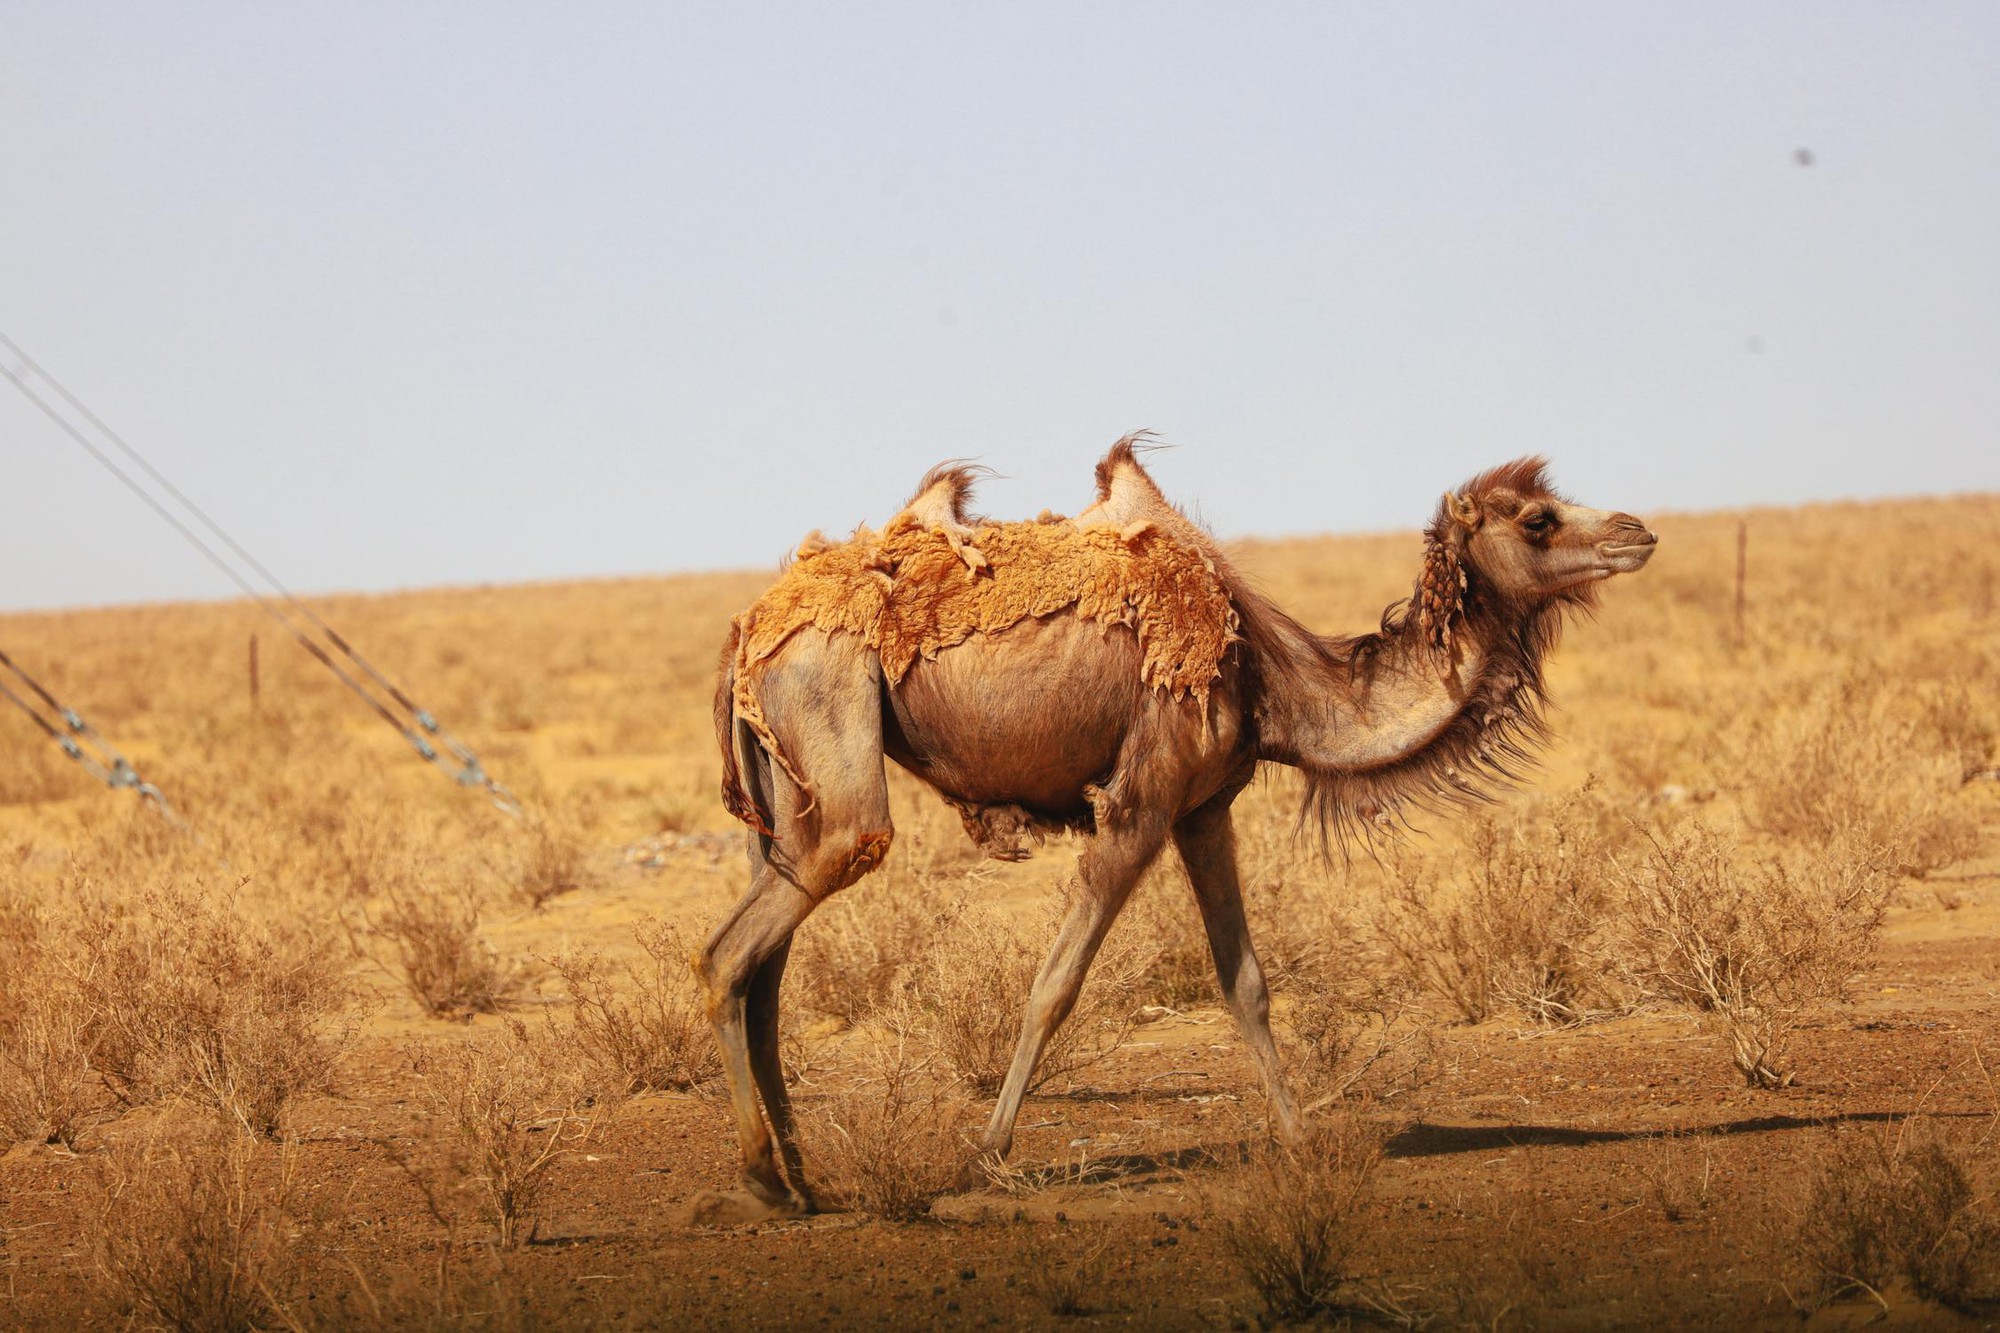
(1112, 675)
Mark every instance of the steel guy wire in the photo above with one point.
(420, 723)
(83, 742)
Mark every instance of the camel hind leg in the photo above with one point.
(822, 698)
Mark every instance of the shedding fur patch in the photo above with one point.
(911, 591)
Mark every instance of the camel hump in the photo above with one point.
(1121, 476)
(943, 503)
(944, 496)
(1130, 500)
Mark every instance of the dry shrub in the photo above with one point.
(442, 958)
(1517, 925)
(893, 1141)
(1289, 1217)
(185, 999)
(196, 1229)
(1062, 1270)
(1756, 950)
(853, 956)
(1880, 1205)
(1356, 1034)
(1966, 732)
(1679, 1173)
(49, 1092)
(498, 1116)
(1847, 767)
(552, 858)
(974, 986)
(650, 1033)
(1357, 1022)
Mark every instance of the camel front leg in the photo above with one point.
(1108, 868)
(1206, 839)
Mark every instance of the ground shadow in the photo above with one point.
(1424, 1139)
(1428, 1140)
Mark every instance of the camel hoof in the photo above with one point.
(737, 1208)
(977, 1173)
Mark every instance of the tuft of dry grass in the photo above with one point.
(498, 1118)
(1063, 1269)
(1517, 924)
(552, 858)
(441, 956)
(197, 1229)
(649, 1033)
(1852, 764)
(853, 958)
(1356, 1034)
(1679, 1174)
(1895, 1203)
(185, 998)
(1289, 1217)
(1756, 950)
(891, 1142)
(49, 1092)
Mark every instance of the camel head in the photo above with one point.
(1510, 536)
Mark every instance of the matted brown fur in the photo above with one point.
(908, 591)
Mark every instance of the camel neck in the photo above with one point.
(1387, 717)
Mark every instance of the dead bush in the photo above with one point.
(196, 1229)
(1847, 767)
(1518, 925)
(1679, 1172)
(1893, 1203)
(49, 1091)
(498, 1117)
(1966, 732)
(1064, 1271)
(974, 986)
(1756, 949)
(552, 858)
(1289, 1217)
(649, 1033)
(852, 957)
(184, 998)
(442, 958)
(891, 1142)
(1357, 1034)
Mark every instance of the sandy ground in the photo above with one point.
(1606, 1176)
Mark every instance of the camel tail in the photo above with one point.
(736, 798)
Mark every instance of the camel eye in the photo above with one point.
(1539, 524)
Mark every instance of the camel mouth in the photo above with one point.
(1624, 557)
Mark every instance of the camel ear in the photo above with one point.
(1464, 511)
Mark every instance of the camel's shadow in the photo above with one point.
(1424, 1139)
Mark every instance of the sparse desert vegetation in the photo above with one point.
(1693, 1027)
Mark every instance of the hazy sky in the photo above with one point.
(420, 294)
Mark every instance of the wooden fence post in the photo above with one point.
(1742, 567)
